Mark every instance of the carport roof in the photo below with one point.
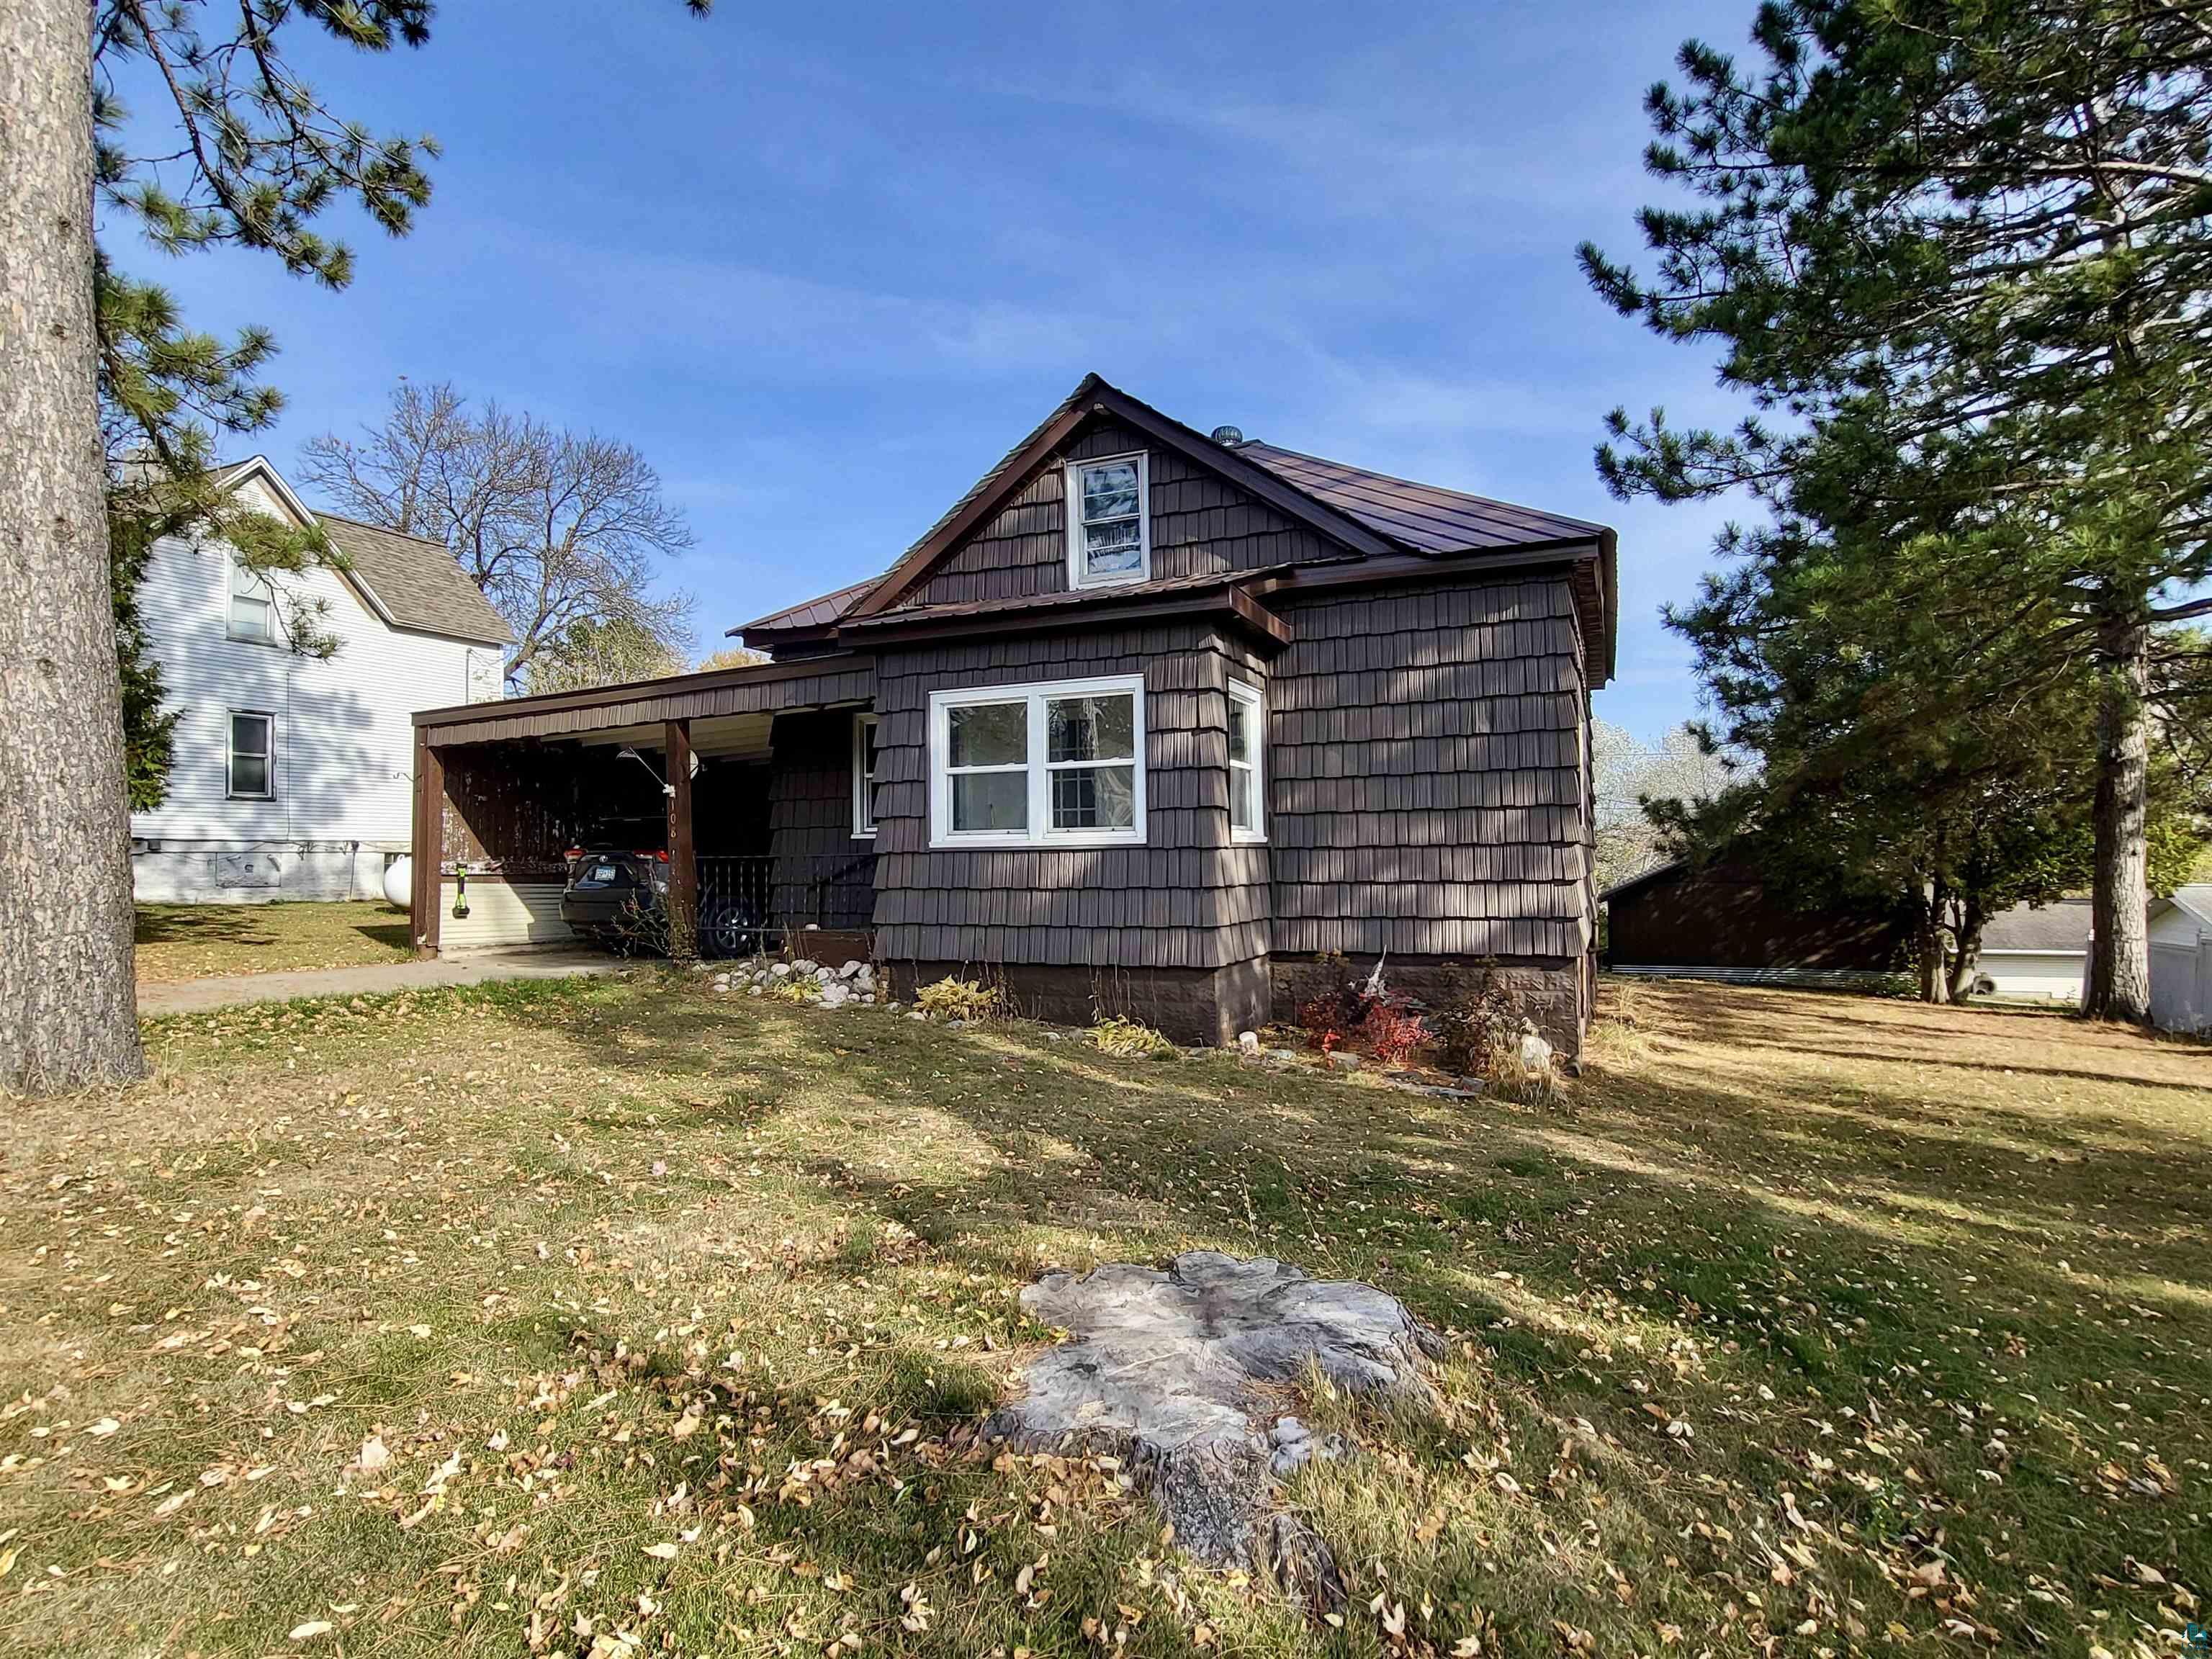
(843, 677)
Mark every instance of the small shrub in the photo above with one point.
(1392, 1031)
(1132, 1039)
(959, 999)
(1479, 1021)
(797, 989)
(1512, 1076)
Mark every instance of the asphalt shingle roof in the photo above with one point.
(416, 581)
(2062, 924)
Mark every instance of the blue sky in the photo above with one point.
(823, 263)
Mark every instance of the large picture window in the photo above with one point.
(1053, 765)
(1109, 537)
(1248, 750)
(253, 764)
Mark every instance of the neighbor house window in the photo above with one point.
(252, 756)
(1110, 538)
(1248, 749)
(1058, 764)
(864, 775)
(253, 607)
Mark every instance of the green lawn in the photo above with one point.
(615, 1318)
(192, 941)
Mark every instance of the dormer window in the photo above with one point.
(1109, 537)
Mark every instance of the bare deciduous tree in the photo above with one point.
(556, 528)
(1630, 772)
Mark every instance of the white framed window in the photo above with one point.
(253, 607)
(1110, 522)
(251, 770)
(864, 777)
(1248, 763)
(1056, 764)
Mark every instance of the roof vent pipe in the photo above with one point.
(1227, 435)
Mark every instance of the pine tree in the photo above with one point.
(255, 158)
(1959, 251)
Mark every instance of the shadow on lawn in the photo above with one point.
(1696, 1176)
(203, 925)
(1877, 1236)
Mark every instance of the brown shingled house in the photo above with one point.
(1147, 721)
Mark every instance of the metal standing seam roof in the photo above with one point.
(1418, 517)
(1426, 518)
(818, 612)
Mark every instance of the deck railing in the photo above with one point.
(748, 903)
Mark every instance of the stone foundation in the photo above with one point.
(1553, 991)
(1213, 1004)
(1191, 1005)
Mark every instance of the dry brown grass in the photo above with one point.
(194, 941)
(1803, 1322)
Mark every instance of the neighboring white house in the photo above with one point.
(292, 776)
(2042, 952)
(2181, 960)
(2046, 953)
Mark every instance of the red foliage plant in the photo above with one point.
(1392, 1031)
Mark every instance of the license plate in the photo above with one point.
(603, 872)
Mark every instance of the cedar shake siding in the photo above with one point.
(823, 873)
(1427, 775)
(1425, 657)
(1201, 525)
(1186, 900)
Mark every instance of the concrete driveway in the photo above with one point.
(193, 996)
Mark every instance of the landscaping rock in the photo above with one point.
(781, 970)
(1283, 1056)
(1163, 1370)
(1344, 1061)
(835, 994)
(850, 970)
(918, 1014)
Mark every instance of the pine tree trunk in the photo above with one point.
(1969, 957)
(1934, 986)
(67, 1009)
(2119, 957)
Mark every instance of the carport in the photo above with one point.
(743, 777)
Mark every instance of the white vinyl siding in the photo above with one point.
(1056, 764)
(343, 740)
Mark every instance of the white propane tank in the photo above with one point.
(399, 881)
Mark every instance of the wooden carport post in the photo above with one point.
(683, 864)
(428, 845)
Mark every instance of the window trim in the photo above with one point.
(864, 821)
(1077, 576)
(267, 718)
(234, 568)
(1033, 695)
(1254, 700)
